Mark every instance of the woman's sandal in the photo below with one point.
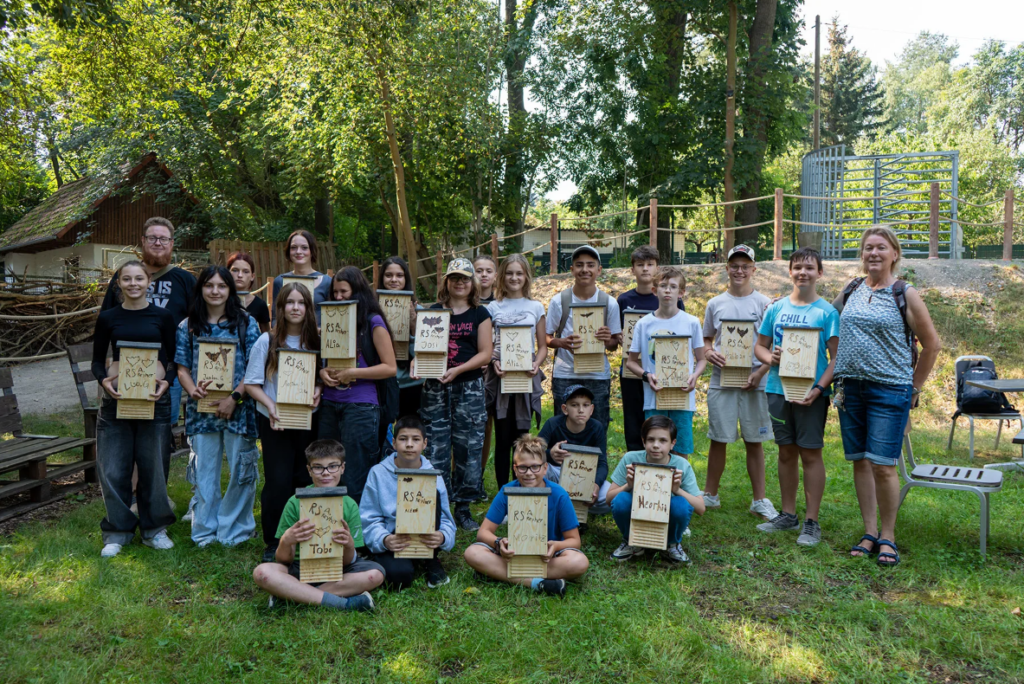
(893, 558)
(865, 552)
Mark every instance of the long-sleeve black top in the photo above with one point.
(593, 435)
(152, 324)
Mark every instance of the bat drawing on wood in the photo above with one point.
(730, 328)
(742, 331)
(432, 320)
(586, 315)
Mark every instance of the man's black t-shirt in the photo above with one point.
(462, 339)
(170, 288)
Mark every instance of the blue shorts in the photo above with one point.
(872, 418)
(684, 428)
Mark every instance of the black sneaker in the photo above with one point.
(583, 529)
(555, 587)
(435, 574)
(464, 519)
(270, 553)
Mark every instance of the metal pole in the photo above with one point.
(1008, 226)
(817, 81)
(553, 259)
(933, 223)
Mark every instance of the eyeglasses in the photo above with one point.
(154, 240)
(529, 469)
(332, 468)
(740, 267)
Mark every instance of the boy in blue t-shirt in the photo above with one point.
(799, 426)
(490, 554)
(659, 437)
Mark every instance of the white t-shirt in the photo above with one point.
(520, 311)
(563, 357)
(727, 307)
(256, 371)
(680, 324)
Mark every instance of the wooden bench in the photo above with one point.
(80, 356)
(28, 455)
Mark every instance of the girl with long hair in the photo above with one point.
(351, 410)
(122, 444)
(243, 270)
(300, 251)
(284, 450)
(394, 275)
(217, 314)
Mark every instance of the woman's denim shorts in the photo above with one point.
(872, 417)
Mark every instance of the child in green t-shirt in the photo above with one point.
(325, 460)
(659, 437)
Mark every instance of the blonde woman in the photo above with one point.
(512, 413)
(878, 382)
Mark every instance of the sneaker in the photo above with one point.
(206, 542)
(362, 603)
(625, 552)
(583, 529)
(764, 509)
(187, 517)
(783, 522)
(110, 550)
(436, 576)
(555, 587)
(712, 501)
(676, 554)
(811, 534)
(270, 554)
(170, 502)
(464, 519)
(686, 532)
(160, 542)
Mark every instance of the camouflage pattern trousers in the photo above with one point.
(454, 416)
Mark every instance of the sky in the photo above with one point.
(880, 29)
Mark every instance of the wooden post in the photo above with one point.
(494, 247)
(269, 295)
(816, 135)
(376, 274)
(933, 224)
(1008, 226)
(654, 223)
(440, 273)
(728, 194)
(553, 265)
(778, 224)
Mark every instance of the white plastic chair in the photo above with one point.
(1007, 415)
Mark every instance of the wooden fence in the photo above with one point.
(269, 256)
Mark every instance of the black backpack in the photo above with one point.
(975, 400)
(899, 293)
(387, 389)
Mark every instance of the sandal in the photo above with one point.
(867, 553)
(892, 559)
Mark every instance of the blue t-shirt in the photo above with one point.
(561, 514)
(784, 313)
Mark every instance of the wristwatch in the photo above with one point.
(237, 396)
(645, 376)
(819, 388)
(497, 545)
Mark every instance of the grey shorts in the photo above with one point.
(357, 565)
(495, 551)
(727, 407)
(800, 425)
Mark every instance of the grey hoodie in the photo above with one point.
(379, 504)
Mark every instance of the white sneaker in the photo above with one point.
(160, 542)
(625, 552)
(676, 554)
(170, 502)
(110, 550)
(712, 501)
(764, 508)
(686, 532)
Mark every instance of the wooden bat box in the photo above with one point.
(320, 559)
(417, 509)
(672, 366)
(515, 352)
(527, 530)
(432, 342)
(798, 364)
(629, 320)
(338, 333)
(579, 471)
(136, 379)
(296, 378)
(396, 305)
(652, 500)
(737, 346)
(586, 319)
(216, 366)
(308, 282)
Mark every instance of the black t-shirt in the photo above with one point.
(258, 309)
(462, 339)
(640, 302)
(151, 324)
(170, 290)
(593, 434)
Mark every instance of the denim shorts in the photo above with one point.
(872, 418)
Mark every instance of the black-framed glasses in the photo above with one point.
(156, 239)
(529, 469)
(332, 468)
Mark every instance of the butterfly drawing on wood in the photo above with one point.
(432, 320)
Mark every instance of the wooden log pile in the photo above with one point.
(45, 333)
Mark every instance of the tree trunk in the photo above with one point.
(730, 121)
(518, 42)
(404, 225)
(323, 217)
(755, 114)
(54, 160)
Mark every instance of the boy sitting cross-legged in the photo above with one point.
(576, 425)
(379, 507)
(325, 460)
(490, 554)
(659, 436)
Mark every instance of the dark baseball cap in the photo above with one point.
(573, 390)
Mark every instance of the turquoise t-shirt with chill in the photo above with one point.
(784, 313)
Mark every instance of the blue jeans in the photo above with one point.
(872, 418)
(228, 519)
(356, 427)
(174, 390)
(602, 390)
(121, 445)
(684, 428)
(679, 515)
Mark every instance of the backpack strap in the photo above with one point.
(899, 293)
(565, 299)
(850, 287)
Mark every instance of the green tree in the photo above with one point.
(913, 82)
(850, 95)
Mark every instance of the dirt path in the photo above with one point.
(47, 387)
